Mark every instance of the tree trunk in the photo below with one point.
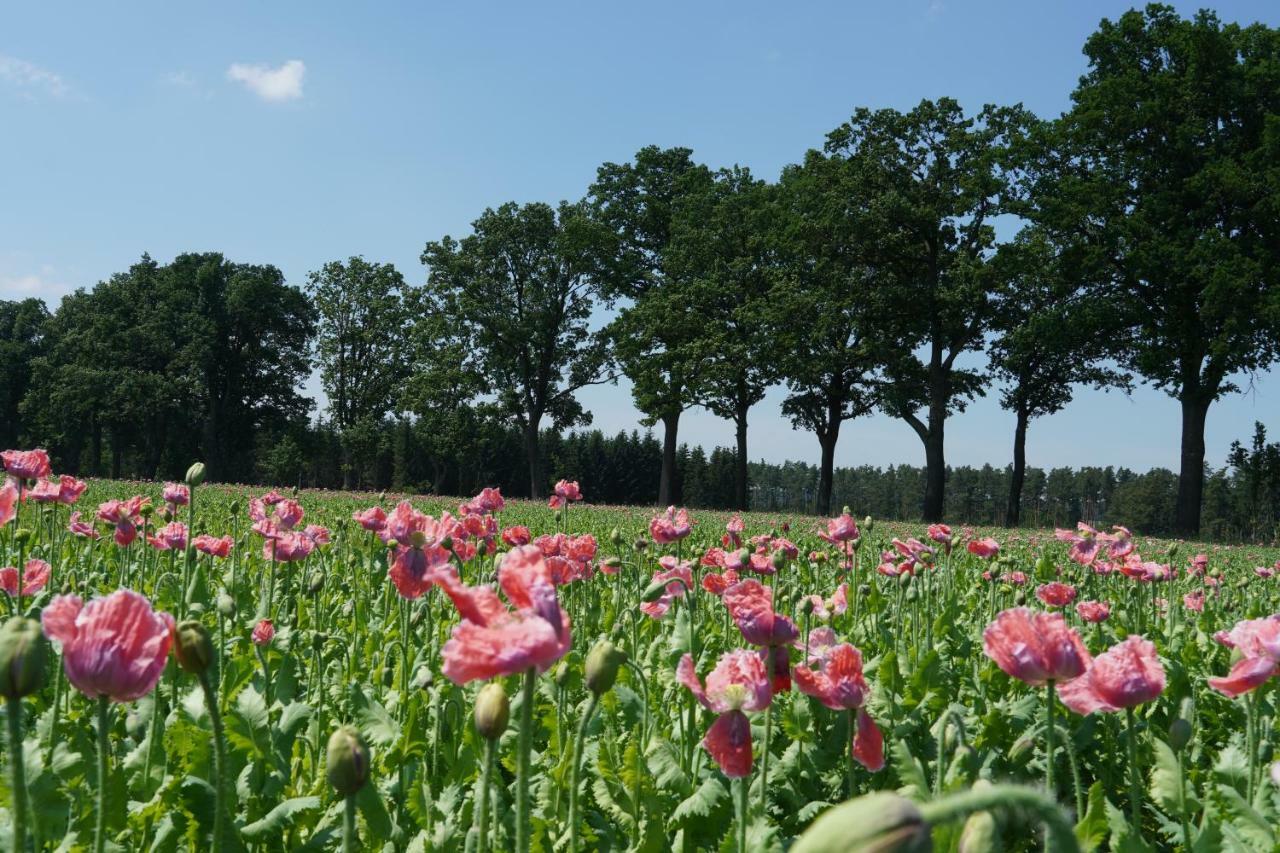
(1191, 475)
(667, 480)
(935, 481)
(740, 464)
(826, 470)
(537, 480)
(1014, 513)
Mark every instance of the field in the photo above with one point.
(661, 684)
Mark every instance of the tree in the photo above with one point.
(1170, 177)
(21, 339)
(1050, 337)
(819, 309)
(659, 336)
(363, 321)
(928, 184)
(721, 241)
(518, 294)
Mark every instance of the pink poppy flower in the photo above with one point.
(1094, 611)
(81, 528)
(263, 633)
(750, 604)
(115, 646)
(489, 501)
(716, 584)
(1126, 675)
(1084, 541)
(941, 533)
(840, 530)
(1014, 578)
(680, 575)
(8, 502)
(1264, 572)
(671, 526)
(1035, 647)
(171, 537)
(1258, 642)
(288, 547)
(212, 545)
(1194, 601)
(516, 535)
(738, 683)
(26, 464)
(1199, 563)
(733, 532)
(564, 493)
(35, 575)
(1056, 594)
(176, 495)
(1119, 543)
(915, 551)
(838, 603)
(317, 534)
(65, 490)
(840, 685)
(372, 519)
(984, 548)
(492, 640)
(124, 515)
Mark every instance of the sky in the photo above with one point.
(295, 133)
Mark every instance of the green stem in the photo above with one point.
(1012, 797)
(768, 736)
(1182, 804)
(482, 812)
(577, 772)
(1049, 741)
(349, 824)
(219, 762)
(17, 768)
(523, 828)
(100, 828)
(741, 809)
(1135, 777)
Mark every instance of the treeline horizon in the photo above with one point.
(865, 278)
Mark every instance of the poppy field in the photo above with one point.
(190, 666)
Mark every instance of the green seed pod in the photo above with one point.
(561, 674)
(641, 544)
(615, 537)
(779, 560)
(1179, 734)
(611, 563)
(806, 607)
(868, 524)
(874, 823)
(347, 761)
(493, 711)
(192, 646)
(23, 651)
(22, 535)
(195, 474)
(234, 508)
(602, 666)
(979, 834)
(422, 678)
(316, 583)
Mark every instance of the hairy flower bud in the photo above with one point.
(602, 666)
(875, 823)
(22, 535)
(192, 646)
(23, 650)
(615, 537)
(195, 474)
(347, 761)
(316, 583)
(493, 711)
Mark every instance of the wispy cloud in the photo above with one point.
(42, 285)
(936, 8)
(271, 84)
(30, 80)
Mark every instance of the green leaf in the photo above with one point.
(700, 803)
(1091, 830)
(1166, 784)
(279, 819)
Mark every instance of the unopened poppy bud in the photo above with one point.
(422, 678)
(1179, 734)
(615, 537)
(192, 646)
(560, 674)
(483, 548)
(447, 543)
(234, 508)
(1173, 550)
(779, 560)
(868, 524)
(382, 497)
(23, 650)
(806, 607)
(316, 583)
(654, 591)
(883, 823)
(1020, 749)
(641, 544)
(1020, 599)
(558, 516)
(493, 711)
(147, 511)
(905, 579)
(602, 666)
(226, 604)
(611, 563)
(979, 834)
(22, 535)
(195, 474)
(347, 761)
(864, 590)
(318, 639)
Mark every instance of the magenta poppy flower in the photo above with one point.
(35, 575)
(671, 526)
(1056, 594)
(739, 683)
(1084, 541)
(1126, 675)
(171, 537)
(124, 516)
(840, 529)
(680, 577)
(941, 533)
(372, 519)
(733, 531)
(176, 495)
(1258, 642)
(81, 528)
(717, 583)
(1094, 611)
(985, 548)
(263, 633)
(492, 640)
(115, 646)
(1035, 648)
(840, 685)
(213, 545)
(26, 464)
(564, 493)
(1014, 578)
(750, 604)
(489, 501)
(8, 502)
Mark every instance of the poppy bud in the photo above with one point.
(347, 761)
(979, 834)
(1021, 599)
(558, 516)
(195, 474)
(1173, 551)
(806, 607)
(561, 674)
(779, 560)
(192, 646)
(482, 548)
(318, 639)
(654, 591)
(905, 579)
(864, 590)
(611, 563)
(844, 510)
(23, 650)
(382, 497)
(22, 535)
(493, 711)
(868, 524)
(885, 823)
(1179, 734)
(316, 583)
(447, 543)
(422, 678)
(602, 666)
(234, 507)
(615, 536)
(147, 511)
(641, 544)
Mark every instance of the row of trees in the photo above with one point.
(868, 277)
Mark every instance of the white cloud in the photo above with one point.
(181, 79)
(40, 285)
(31, 80)
(271, 84)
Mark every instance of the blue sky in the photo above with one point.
(295, 133)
